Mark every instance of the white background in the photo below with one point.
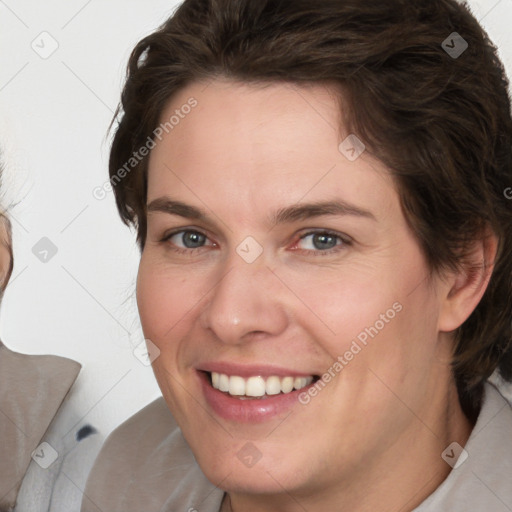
(54, 115)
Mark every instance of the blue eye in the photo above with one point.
(187, 239)
(316, 243)
(320, 241)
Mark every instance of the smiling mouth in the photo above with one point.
(258, 387)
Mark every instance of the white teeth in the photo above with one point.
(300, 382)
(287, 384)
(257, 386)
(223, 382)
(273, 386)
(236, 385)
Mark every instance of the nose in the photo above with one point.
(245, 304)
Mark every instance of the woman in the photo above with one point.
(46, 449)
(325, 280)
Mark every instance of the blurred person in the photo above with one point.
(46, 449)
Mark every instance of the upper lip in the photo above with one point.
(252, 370)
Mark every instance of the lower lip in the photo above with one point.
(250, 410)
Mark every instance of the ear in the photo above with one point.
(6, 259)
(465, 288)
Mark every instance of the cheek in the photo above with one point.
(343, 303)
(385, 308)
(164, 299)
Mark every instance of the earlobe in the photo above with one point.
(466, 287)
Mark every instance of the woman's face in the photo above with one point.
(273, 257)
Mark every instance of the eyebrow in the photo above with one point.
(289, 214)
(312, 210)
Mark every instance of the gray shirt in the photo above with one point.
(46, 449)
(483, 482)
(147, 465)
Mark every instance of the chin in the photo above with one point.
(232, 479)
(267, 475)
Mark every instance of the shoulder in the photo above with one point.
(481, 481)
(143, 431)
(136, 452)
(32, 389)
(48, 377)
(146, 464)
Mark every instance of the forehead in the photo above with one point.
(278, 140)
(244, 117)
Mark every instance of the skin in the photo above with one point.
(372, 438)
(5, 254)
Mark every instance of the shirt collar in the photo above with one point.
(32, 388)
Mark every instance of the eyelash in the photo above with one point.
(345, 242)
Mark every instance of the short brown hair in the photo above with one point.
(440, 122)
